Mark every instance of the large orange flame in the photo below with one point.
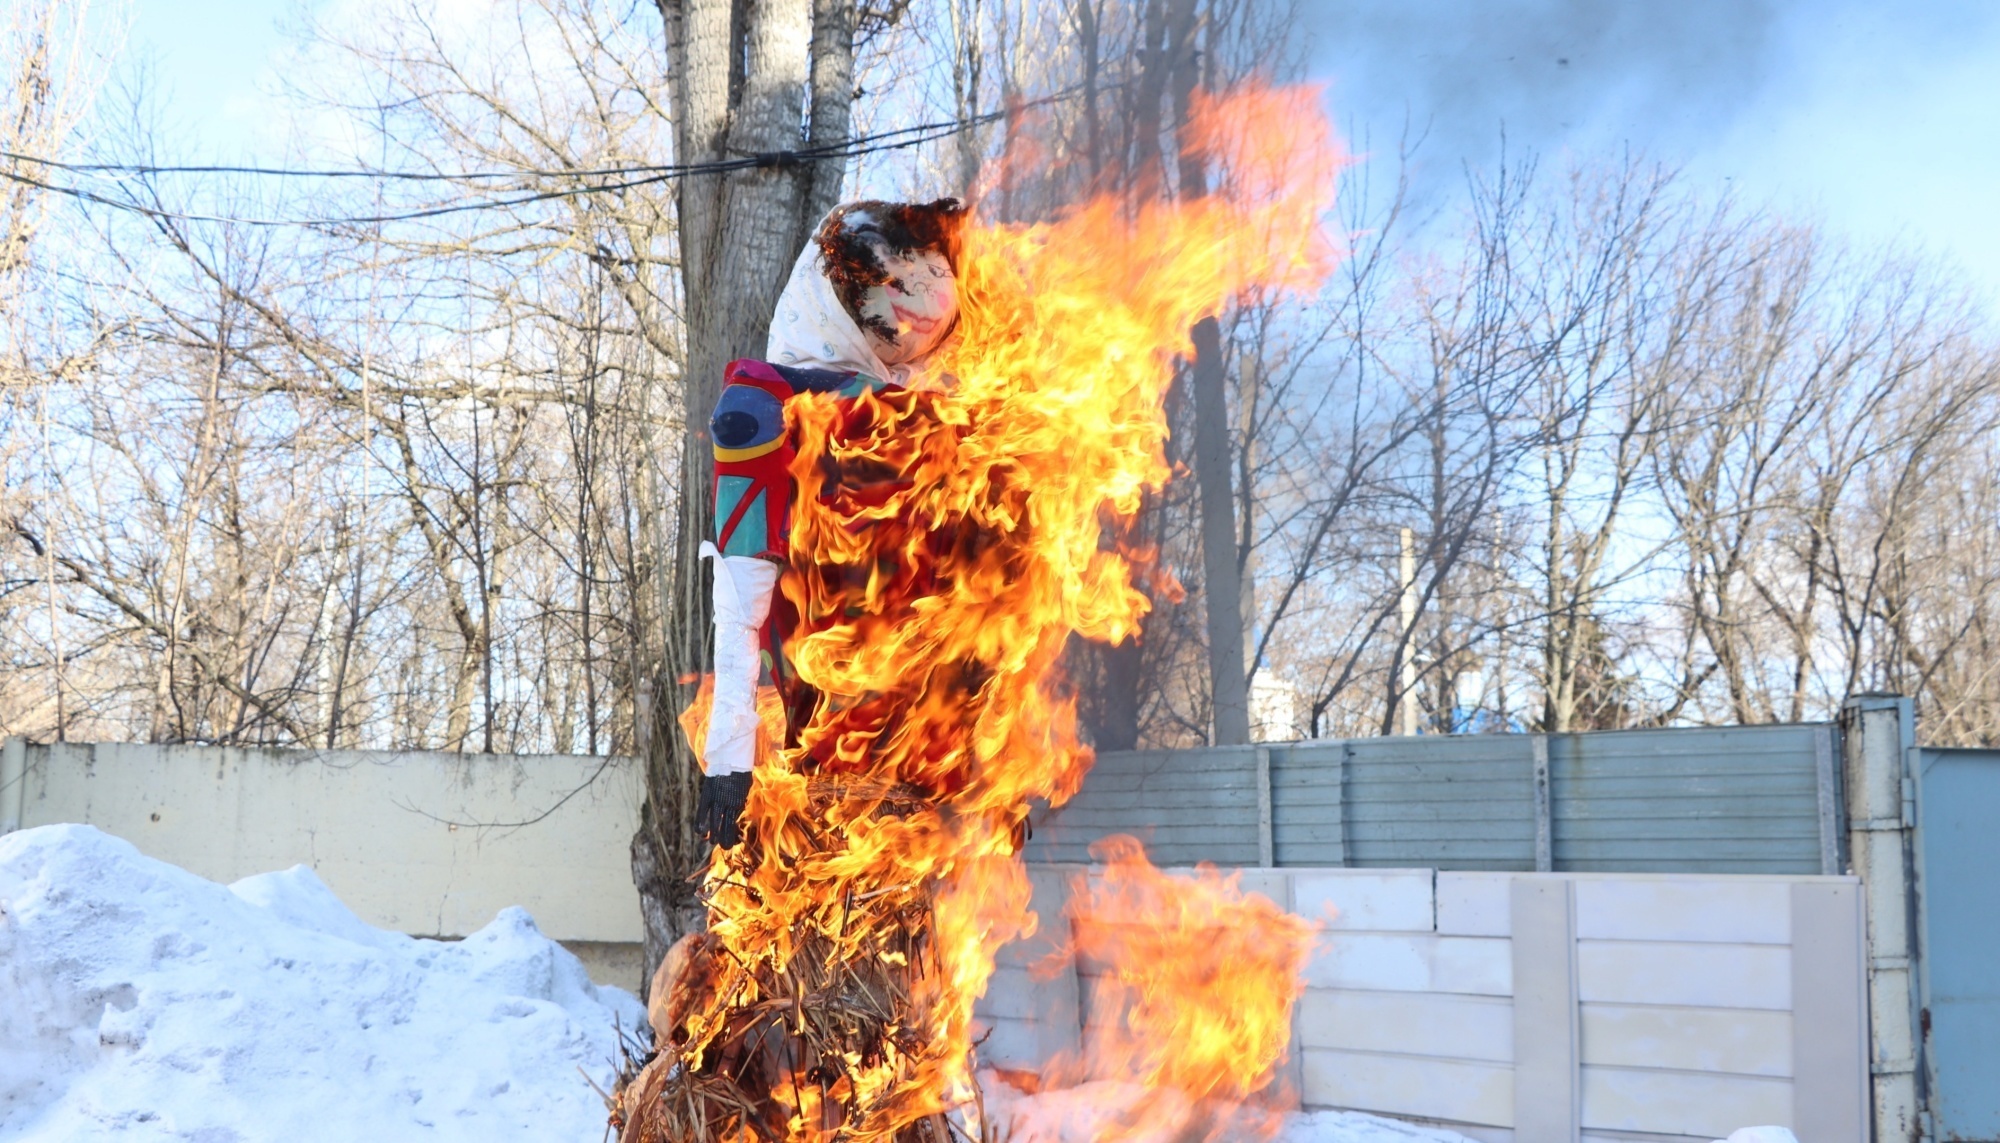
(946, 545)
(1195, 980)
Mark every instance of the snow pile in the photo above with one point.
(138, 1001)
(1133, 1114)
(1358, 1127)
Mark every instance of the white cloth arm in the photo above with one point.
(743, 587)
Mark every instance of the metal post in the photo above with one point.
(1267, 850)
(1828, 779)
(1545, 857)
(1406, 677)
(1878, 731)
(1341, 815)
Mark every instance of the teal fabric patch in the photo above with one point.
(862, 383)
(753, 534)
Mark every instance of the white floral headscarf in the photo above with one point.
(812, 329)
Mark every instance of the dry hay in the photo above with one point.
(765, 1051)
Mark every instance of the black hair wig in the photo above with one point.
(848, 239)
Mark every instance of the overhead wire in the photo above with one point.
(942, 127)
(623, 177)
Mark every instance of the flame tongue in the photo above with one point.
(1198, 977)
(946, 546)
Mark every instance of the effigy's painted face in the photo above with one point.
(912, 313)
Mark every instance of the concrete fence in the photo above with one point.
(1538, 1006)
(423, 843)
(1650, 990)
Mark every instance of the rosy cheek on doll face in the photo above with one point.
(920, 304)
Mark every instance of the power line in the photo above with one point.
(942, 127)
(624, 178)
(649, 177)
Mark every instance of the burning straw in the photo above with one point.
(946, 545)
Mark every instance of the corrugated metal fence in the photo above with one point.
(1754, 799)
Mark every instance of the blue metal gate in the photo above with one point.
(1958, 836)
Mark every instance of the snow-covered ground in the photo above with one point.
(140, 1002)
(1102, 1110)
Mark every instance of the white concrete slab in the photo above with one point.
(1731, 1040)
(1682, 1103)
(1401, 1085)
(1709, 909)
(1695, 975)
(1474, 904)
(1049, 895)
(1012, 994)
(1413, 963)
(1396, 900)
(1272, 884)
(426, 843)
(1482, 966)
(1373, 961)
(1009, 1043)
(1409, 1023)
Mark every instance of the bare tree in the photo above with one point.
(53, 60)
(743, 78)
(420, 483)
(1756, 375)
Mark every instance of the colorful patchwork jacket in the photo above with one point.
(754, 489)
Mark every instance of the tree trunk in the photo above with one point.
(1222, 573)
(1222, 582)
(745, 76)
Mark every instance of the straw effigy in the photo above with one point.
(769, 1051)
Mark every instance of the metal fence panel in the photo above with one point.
(1308, 818)
(1958, 802)
(1740, 799)
(1449, 803)
(1186, 805)
(1706, 800)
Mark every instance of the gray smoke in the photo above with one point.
(1585, 75)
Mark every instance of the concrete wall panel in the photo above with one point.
(1474, 904)
(1409, 1023)
(1482, 966)
(1402, 1085)
(1708, 909)
(1412, 962)
(1387, 900)
(431, 844)
(1682, 1103)
(1695, 975)
(1734, 1040)
(1695, 800)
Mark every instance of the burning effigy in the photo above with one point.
(913, 494)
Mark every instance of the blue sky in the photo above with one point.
(207, 59)
(1882, 119)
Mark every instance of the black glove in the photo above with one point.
(722, 798)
